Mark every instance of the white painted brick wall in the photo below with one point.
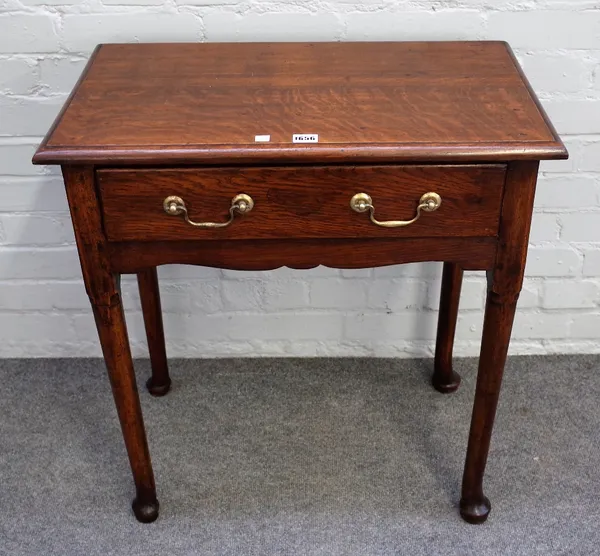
(388, 311)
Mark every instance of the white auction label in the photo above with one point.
(306, 138)
(262, 138)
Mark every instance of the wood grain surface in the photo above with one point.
(103, 288)
(147, 121)
(505, 281)
(476, 253)
(383, 101)
(302, 202)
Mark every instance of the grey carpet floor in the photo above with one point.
(299, 457)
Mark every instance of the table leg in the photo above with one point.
(102, 287)
(444, 378)
(160, 382)
(504, 284)
(117, 355)
(497, 326)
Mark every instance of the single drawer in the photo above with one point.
(301, 202)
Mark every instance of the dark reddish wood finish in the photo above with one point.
(444, 379)
(313, 203)
(160, 382)
(197, 103)
(115, 348)
(102, 286)
(504, 285)
(471, 253)
(147, 121)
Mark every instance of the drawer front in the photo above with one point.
(301, 202)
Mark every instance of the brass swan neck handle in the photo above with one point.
(175, 206)
(361, 202)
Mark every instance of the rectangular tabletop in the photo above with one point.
(380, 101)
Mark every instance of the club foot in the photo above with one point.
(157, 389)
(475, 511)
(446, 383)
(145, 512)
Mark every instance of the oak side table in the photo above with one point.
(256, 156)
